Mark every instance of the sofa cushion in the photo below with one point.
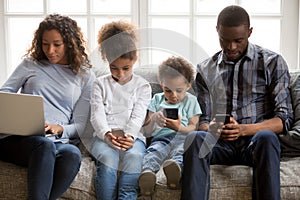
(83, 185)
(235, 182)
(290, 143)
(13, 180)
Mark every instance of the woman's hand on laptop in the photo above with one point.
(53, 129)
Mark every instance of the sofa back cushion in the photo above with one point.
(290, 143)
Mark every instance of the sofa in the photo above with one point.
(227, 182)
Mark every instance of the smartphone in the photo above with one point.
(117, 132)
(171, 113)
(222, 118)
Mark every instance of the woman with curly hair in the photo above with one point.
(57, 68)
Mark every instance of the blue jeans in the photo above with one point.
(51, 166)
(262, 152)
(160, 149)
(117, 171)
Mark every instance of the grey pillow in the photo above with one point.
(290, 143)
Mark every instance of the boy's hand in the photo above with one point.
(159, 118)
(173, 124)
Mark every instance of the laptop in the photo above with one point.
(21, 114)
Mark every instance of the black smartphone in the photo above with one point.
(171, 113)
(222, 118)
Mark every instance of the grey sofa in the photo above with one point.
(227, 182)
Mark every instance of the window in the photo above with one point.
(168, 27)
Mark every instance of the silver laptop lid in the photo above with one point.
(21, 114)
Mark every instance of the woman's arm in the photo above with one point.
(81, 111)
(18, 77)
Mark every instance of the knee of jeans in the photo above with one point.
(104, 169)
(71, 155)
(199, 136)
(132, 163)
(45, 145)
(75, 154)
(109, 160)
(266, 137)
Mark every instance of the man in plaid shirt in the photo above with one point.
(251, 84)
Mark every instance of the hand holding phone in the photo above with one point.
(117, 132)
(225, 118)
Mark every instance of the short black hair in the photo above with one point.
(233, 16)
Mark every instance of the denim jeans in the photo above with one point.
(117, 171)
(160, 149)
(51, 166)
(262, 152)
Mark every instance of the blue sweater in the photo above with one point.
(66, 94)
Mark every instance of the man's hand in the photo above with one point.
(230, 131)
(214, 128)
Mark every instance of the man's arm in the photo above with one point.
(274, 124)
(204, 99)
(234, 130)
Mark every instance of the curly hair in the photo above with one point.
(174, 67)
(117, 39)
(72, 38)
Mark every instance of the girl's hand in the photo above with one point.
(112, 141)
(53, 129)
(126, 142)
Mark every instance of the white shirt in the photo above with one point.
(119, 106)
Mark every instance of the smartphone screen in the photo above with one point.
(222, 118)
(171, 113)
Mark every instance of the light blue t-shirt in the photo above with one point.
(187, 108)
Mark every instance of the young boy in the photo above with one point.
(169, 132)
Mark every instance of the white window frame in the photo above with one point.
(289, 43)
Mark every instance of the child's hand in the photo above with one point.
(126, 142)
(173, 124)
(159, 118)
(112, 140)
